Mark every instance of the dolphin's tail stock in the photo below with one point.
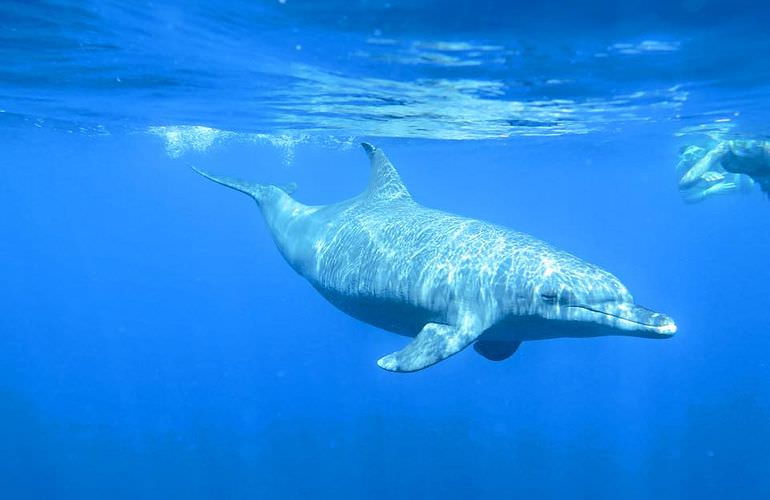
(254, 190)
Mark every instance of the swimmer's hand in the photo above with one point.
(704, 167)
(712, 176)
(722, 188)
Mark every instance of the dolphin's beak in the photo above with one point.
(629, 316)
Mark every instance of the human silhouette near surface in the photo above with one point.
(730, 166)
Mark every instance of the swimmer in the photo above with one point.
(751, 158)
(731, 166)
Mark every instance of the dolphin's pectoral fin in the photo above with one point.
(434, 343)
(496, 350)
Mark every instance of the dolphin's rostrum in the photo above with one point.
(448, 281)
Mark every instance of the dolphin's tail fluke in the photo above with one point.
(254, 190)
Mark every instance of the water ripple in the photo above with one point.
(268, 68)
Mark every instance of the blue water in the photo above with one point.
(154, 344)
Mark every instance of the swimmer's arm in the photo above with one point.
(721, 188)
(703, 166)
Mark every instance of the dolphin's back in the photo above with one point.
(402, 252)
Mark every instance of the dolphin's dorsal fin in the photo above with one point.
(384, 181)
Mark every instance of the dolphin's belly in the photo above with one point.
(532, 327)
(401, 317)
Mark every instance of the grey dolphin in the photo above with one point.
(448, 281)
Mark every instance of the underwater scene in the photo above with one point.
(376, 249)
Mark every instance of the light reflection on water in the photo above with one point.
(99, 67)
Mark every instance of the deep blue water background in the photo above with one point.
(153, 343)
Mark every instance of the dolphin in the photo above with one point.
(445, 280)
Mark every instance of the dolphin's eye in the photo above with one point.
(564, 297)
(549, 297)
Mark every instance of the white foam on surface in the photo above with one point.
(181, 140)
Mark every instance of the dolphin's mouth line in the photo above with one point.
(648, 325)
